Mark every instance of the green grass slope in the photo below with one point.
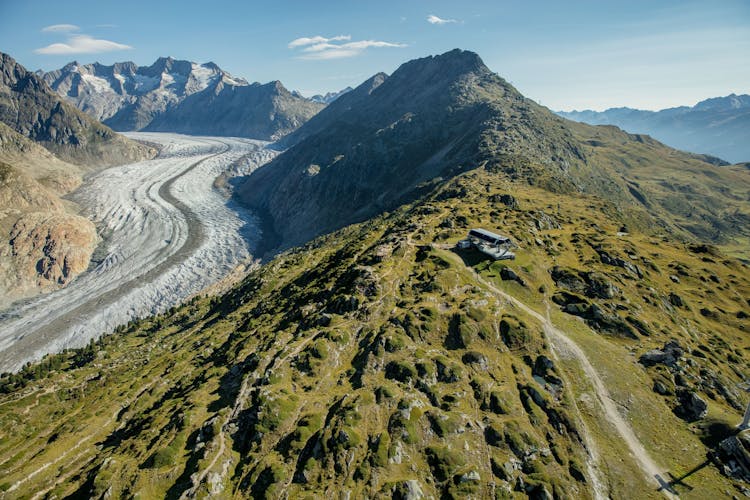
(379, 362)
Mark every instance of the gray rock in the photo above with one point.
(472, 476)
(668, 355)
(692, 406)
(662, 389)
(505, 199)
(408, 490)
(676, 300)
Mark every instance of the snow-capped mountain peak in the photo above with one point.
(127, 96)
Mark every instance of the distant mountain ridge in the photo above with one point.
(329, 97)
(181, 96)
(718, 126)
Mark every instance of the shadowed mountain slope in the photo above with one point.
(31, 108)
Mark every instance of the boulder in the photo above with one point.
(471, 476)
(408, 490)
(568, 279)
(667, 355)
(505, 199)
(692, 406)
(676, 300)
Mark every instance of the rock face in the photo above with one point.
(53, 248)
(181, 96)
(692, 406)
(31, 108)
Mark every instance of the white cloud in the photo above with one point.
(60, 28)
(301, 42)
(319, 47)
(82, 44)
(433, 19)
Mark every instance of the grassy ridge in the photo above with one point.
(372, 361)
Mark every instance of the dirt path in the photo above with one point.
(564, 344)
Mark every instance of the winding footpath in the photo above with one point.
(168, 233)
(563, 343)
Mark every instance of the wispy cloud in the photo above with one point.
(337, 47)
(82, 44)
(301, 42)
(433, 19)
(60, 28)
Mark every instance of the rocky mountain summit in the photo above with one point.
(719, 126)
(392, 138)
(181, 96)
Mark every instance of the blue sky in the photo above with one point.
(565, 55)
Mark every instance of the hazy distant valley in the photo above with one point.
(719, 126)
(365, 355)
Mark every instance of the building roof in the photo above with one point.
(488, 235)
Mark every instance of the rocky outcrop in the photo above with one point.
(591, 284)
(43, 244)
(667, 355)
(692, 407)
(45, 251)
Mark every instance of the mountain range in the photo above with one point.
(370, 357)
(329, 97)
(181, 96)
(31, 108)
(718, 126)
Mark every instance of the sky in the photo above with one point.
(647, 54)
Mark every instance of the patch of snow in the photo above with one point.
(203, 76)
(99, 84)
(145, 83)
